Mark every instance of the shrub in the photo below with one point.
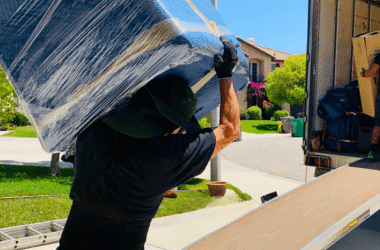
(19, 119)
(269, 109)
(5, 120)
(278, 114)
(243, 115)
(253, 113)
(205, 121)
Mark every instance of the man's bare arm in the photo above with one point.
(229, 128)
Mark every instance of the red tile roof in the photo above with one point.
(275, 55)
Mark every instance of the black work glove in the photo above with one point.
(224, 65)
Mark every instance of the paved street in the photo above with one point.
(25, 151)
(281, 155)
(276, 154)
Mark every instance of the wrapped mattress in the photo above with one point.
(73, 62)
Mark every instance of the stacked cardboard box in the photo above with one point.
(365, 48)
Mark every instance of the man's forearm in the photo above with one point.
(229, 127)
(229, 106)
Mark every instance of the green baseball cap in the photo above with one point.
(156, 109)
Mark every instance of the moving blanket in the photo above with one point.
(73, 62)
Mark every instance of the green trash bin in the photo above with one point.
(297, 125)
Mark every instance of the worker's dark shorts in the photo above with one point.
(85, 230)
(377, 110)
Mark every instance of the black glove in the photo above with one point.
(69, 155)
(224, 65)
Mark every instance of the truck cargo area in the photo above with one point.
(331, 64)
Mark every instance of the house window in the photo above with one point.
(275, 65)
(254, 73)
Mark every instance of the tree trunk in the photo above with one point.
(54, 165)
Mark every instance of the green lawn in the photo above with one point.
(17, 212)
(201, 184)
(25, 131)
(259, 126)
(255, 127)
(31, 180)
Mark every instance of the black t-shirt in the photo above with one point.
(130, 176)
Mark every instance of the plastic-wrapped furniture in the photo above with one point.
(73, 62)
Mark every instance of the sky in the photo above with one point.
(275, 24)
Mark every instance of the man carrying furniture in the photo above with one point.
(124, 164)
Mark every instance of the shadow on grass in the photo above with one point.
(266, 127)
(19, 172)
(194, 181)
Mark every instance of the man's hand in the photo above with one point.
(371, 72)
(363, 72)
(224, 65)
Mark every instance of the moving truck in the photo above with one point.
(330, 65)
(340, 208)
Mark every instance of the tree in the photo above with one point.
(287, 84)
(6, 103)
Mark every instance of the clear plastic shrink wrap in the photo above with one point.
(73, 62)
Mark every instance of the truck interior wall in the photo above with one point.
(343, 43)
(326, 55)
(335, 22)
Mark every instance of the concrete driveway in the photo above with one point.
(25, 151)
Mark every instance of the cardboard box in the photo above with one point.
(365, 48)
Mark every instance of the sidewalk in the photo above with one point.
(187, 228)
(177, 231)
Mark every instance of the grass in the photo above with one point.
(201, 184)
(250, 126)
(24, 131)
(17, 212)
(259, 126)
(32, 180)
(185, 202)
(205, 121)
